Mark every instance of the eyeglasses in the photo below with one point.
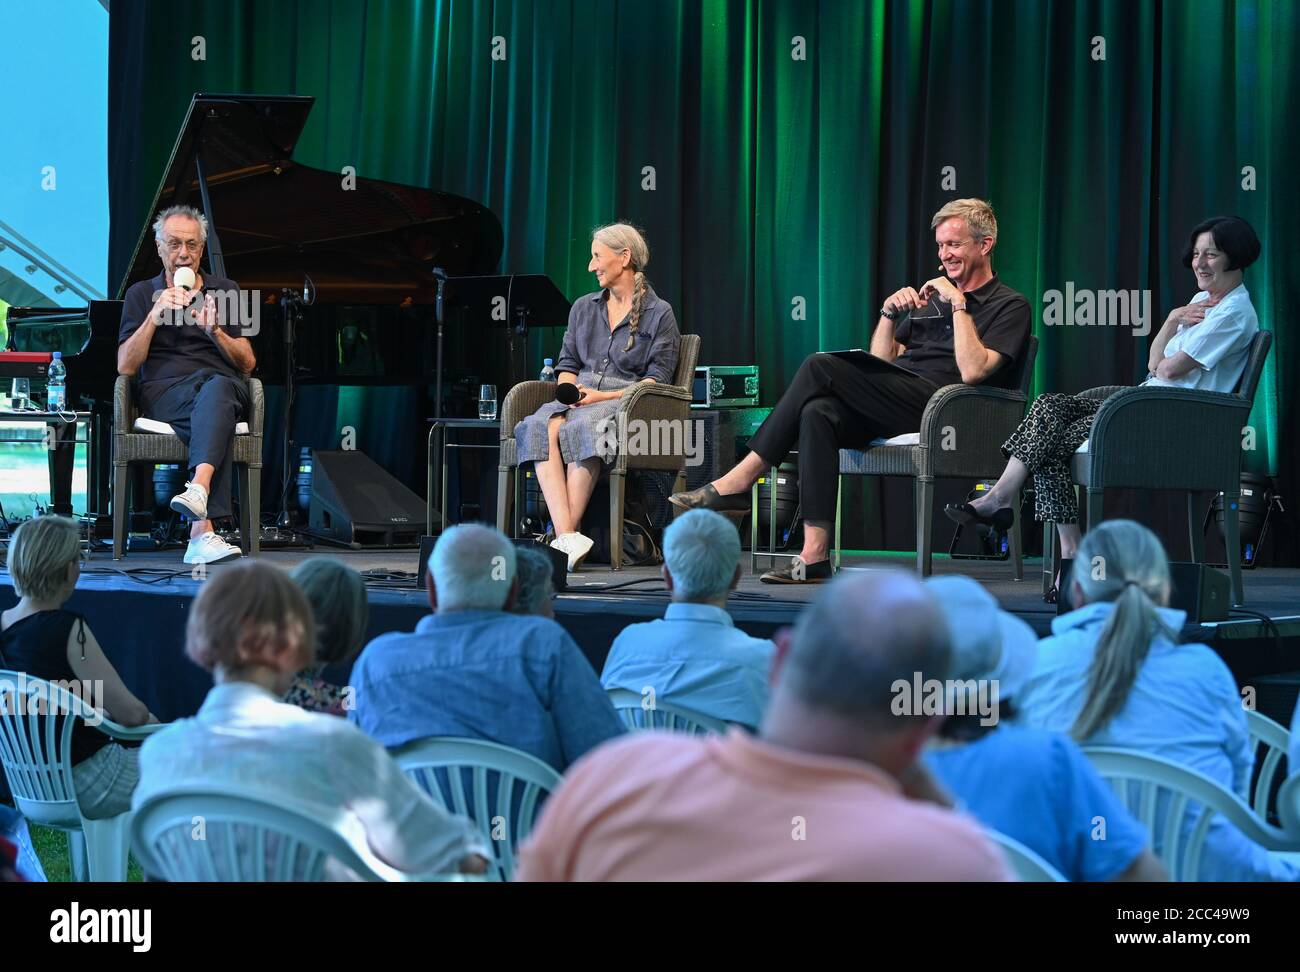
(193, 246)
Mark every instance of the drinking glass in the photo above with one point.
(487, 402)
(22, 390)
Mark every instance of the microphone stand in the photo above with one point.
(291, 305)
(440, 275)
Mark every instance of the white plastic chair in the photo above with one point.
(1026, 863)
(1177, 804)
(1276, 740)
(37, 755)
(219, 836)
(631, 708)
(505, 788)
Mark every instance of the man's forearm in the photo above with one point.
(238, 351)
(970, 353)
(132, 352)
(883, 344)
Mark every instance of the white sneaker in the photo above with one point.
(575, 546)
(193, 502)
(208, 548)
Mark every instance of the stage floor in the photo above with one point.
(138, 607)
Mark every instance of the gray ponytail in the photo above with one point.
(624, 236)
(1123, 562)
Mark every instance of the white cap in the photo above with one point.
(987, 642)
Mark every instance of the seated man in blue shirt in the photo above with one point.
(695, 657)
(472, 670)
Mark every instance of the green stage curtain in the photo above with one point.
(785, 158)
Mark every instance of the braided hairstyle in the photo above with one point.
(624, 236)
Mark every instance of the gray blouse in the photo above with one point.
(589, 345)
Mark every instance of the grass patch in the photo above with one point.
(52, 849)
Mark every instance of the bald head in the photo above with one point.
(865, 632)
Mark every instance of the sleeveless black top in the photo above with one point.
(38, 645)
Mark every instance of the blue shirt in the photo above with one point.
(694, 657)
(1183, 707)
(1038, 788)
(517, 680)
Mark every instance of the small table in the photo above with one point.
(55, 420)
(442, 425)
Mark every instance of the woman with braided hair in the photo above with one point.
(622, 335)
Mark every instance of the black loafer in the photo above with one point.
(965, 514)
(707, 498)
(799, 572)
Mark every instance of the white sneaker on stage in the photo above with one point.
(192, 503)
(575, 546)
(208, 548)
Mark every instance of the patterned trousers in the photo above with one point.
(1044, 441)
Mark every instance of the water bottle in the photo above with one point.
(57, 387)
(548, 371)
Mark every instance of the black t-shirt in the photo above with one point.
(1002, 321)
(179, 350)
(38, 645)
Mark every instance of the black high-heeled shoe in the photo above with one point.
(965, 514)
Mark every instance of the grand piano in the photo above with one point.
(365, 254)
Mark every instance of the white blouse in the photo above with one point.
(1219, 344)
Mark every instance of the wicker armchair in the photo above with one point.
(1131, 447)
(962, 431)
(130, 447)
(645, 403)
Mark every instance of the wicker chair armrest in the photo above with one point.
(522, 401)
(123, 406)
(653, 392)
(1102, 391)
(963, 429)
(256, 406)
(1167, 438)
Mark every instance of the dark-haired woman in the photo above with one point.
(618, 336)
(1201, 346)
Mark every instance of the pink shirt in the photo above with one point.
(659, 806)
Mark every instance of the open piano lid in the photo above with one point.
(277, 220)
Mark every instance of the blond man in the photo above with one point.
(970, 328)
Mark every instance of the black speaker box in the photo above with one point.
(559, 561)
(1203, 592)
(357, 502)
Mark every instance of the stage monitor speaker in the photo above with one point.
(1203, 592)
(559, 561)
(355, 501)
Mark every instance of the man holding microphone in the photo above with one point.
(190, 368)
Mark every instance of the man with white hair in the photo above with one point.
(695, 657)
(472, 669)
(190, 361)
(829, 790)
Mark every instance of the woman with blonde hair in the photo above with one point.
(42, 639)
(252, 628)
(1113, 673)
(621, 335)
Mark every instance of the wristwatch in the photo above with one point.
(955, 308)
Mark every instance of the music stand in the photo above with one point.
(514, 301)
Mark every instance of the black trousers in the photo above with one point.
(202, 410)
(831, 405)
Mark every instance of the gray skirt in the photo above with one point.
(588, 432)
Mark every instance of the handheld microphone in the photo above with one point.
(567, 394)
(184, 278)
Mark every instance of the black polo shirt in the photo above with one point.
(1002, 321)
(177, 350)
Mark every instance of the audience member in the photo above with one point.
(536, 586)
(1031, 785)
(471, 669)
(1113, 674)
(252, 628)
(40, 638)
(822, 793)
(337, 595)
(695, 656)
